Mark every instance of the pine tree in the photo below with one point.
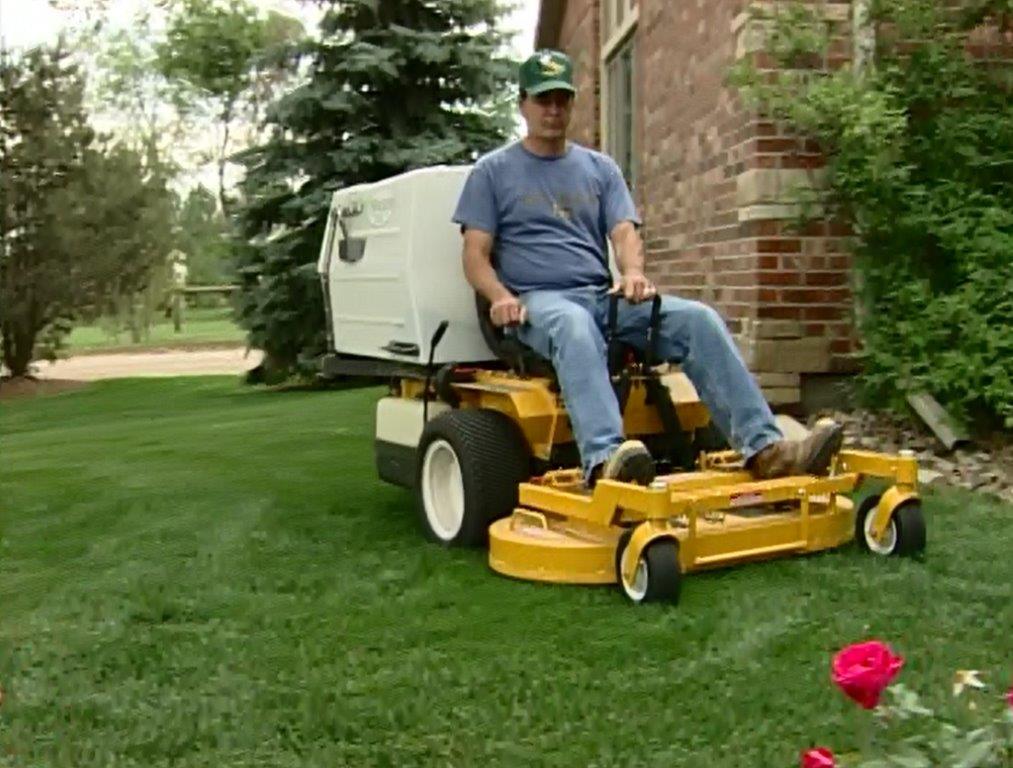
(393, 85)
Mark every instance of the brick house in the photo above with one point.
(714, 182)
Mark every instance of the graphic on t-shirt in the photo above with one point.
(562, 204)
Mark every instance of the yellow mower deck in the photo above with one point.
(717, 515)
(720, 516)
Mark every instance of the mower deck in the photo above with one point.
(562, 532)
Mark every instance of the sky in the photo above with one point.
(29, 22)
(24, 23)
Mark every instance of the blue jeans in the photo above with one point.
(568, 328)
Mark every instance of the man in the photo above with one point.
(544, 206)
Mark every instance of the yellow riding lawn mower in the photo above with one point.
(475, 424)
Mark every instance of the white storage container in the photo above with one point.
(391, 266)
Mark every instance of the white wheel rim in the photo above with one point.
(636, 591)
(889, 541)
(443, 490)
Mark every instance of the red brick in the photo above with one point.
(695, 137)
(764, 161)
(840, 346)
(825, 278)
(839, 262)
(821, 313)
(780, 245)
(806, 162)
(767, 146)
(778, 278)
(780, 312)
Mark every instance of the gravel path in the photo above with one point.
(202, 362)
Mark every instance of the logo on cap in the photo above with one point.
(550, 66)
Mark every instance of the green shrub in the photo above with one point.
(919, 150)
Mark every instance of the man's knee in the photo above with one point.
(576, 326)
(702, 317)
(693, 314)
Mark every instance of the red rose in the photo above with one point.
(1009, 696)
(863, 670)
(818, 757)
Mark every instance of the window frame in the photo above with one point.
(619, 40)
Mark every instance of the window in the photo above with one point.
(618, 113)
(620, 137)
(616, 16)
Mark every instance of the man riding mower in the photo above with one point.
(489, 445)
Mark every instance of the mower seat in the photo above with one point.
(521, 358)
(624, 360)
(517, 355)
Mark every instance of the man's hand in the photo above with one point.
(635, 287)
(508, 311)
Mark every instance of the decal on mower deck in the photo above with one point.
(537, 531)
(747, 499)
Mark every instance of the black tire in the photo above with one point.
(867, 506)
(908, 529)
(663, 573)
(491, 457)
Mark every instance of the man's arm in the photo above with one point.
(505, 309)
(629, 250)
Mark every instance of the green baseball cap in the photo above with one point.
(546, 71)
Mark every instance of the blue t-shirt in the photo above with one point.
(549, 216)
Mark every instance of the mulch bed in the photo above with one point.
(22, 387)
(985, 465)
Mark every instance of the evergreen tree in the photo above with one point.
(393, 85)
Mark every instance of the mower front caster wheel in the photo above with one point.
(904, 536)
(658, 577)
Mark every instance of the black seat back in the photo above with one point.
(507, 347)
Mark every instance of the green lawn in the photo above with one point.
(200, 327)
(193, 573)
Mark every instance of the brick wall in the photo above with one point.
(716, 184)
(579, 36)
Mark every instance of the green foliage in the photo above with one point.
(394, 85)
(202, 234)
(128, 84)
(210, 46)
(218, 53)
(974, 731)
(920, 156)
(81, 223)
(979, 735)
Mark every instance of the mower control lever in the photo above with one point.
(615, 361)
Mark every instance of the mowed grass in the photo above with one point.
(201, 326)
(194, 573)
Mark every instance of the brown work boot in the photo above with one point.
(631, 462)
(810, 456)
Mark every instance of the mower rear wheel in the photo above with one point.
(658, 577)
(469, 463)
(904, 536)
